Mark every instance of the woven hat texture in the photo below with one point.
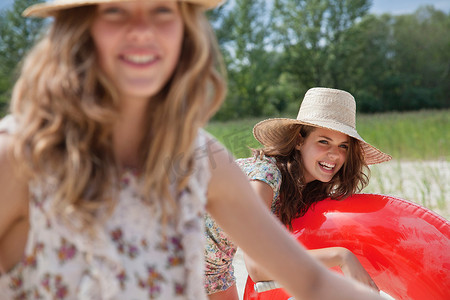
(50, 7)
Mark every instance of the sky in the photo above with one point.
(394, 7)
(398, 7)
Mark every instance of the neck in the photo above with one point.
(128, 134)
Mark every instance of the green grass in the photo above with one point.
(423, 135)
(236, 136)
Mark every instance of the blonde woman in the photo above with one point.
(106, 172)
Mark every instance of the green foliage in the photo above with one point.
(313, 34)
(402, 62)
(243, 34)
(17, 35)
(276, 50)
(421, 135)
(389, 63)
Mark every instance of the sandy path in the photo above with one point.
(424, 182)
(240, 272)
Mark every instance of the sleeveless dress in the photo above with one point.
(128, 258)
(220, 250)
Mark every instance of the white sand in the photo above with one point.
(240, 272)
(424, 182)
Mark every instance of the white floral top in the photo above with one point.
(265, 170)
(128, 259)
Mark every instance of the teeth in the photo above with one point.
(327, 165)
(140, 59)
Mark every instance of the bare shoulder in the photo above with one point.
(221, 161)
(228, 182)
(8, 172)
(14, 194)
(219, 156)
(6, 160)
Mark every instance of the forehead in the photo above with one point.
(330, 134)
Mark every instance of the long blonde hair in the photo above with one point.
(65, 109)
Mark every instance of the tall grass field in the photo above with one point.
(419, 143)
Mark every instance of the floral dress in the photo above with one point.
(129, 258)
(220, 250)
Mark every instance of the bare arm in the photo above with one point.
(265, 193)
(13, 208)
(347, 261)
(330, 257)
(238, 210)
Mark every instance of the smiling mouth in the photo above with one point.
(139, 59)
(327, 166)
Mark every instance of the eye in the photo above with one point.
(344, 146)
(165, 12)
(325, 142)
(111, 12)
(164, 9)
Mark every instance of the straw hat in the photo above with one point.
(322, 107)
(50, 7)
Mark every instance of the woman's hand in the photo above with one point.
(351, 267)
(347, 261)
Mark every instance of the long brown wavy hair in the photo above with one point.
(65, 107)
(296, 197)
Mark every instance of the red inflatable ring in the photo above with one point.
(404, 246)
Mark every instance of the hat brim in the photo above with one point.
(271, 131)
(48, 9)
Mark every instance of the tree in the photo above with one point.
(401, 62)
(370, 67)
(313, 34)
(17, 35)
(422, 59)
(250, 64)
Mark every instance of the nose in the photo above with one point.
(333, 153)
(141, 30)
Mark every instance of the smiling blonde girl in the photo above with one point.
(105, 170)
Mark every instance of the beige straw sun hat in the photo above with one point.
(50, 7)
(321, 107)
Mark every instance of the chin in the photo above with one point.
(325, 180)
